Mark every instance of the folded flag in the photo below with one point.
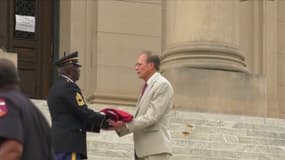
(117, 114)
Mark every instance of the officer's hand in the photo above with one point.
(106, 125)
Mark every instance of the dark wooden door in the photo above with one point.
(33, 45)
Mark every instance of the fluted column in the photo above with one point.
(202, 34)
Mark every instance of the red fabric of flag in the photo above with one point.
(117, 114)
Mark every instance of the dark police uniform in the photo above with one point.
(22, 121)
(70, 116)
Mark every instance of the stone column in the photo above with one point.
(202, 58)
(78, 33)
(203, 34)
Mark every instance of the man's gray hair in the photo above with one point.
(152, 58)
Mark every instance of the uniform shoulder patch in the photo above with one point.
(3, 107)
(79, 99)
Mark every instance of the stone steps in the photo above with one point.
(199, 136)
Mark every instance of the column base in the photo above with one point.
(217, 91)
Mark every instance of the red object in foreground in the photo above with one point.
(117, 114)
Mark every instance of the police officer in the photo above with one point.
(70, 115)
(24, 132)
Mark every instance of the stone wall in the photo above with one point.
(230, 53)
(8, 55)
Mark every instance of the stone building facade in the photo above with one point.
(223, 56)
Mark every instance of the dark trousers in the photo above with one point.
(67, 156)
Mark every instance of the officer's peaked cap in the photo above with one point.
(71, 58)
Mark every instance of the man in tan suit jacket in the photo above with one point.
(152, 139)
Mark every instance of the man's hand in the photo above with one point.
(116, 124)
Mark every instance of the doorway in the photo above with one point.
(31, 28)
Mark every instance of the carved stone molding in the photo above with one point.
(208, 55)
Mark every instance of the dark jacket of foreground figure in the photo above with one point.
(25, 123)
